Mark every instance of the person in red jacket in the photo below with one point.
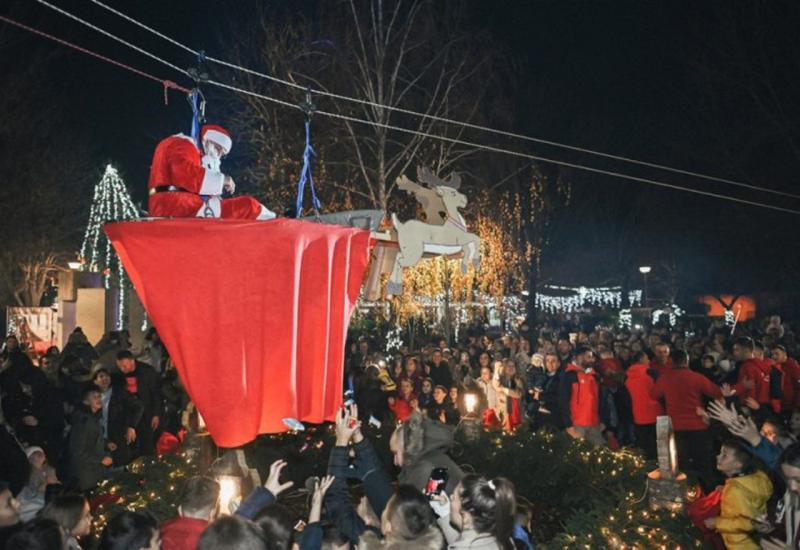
(757, 378)
(184, 185)
(639, 382)
(199, 504)
(790, 383)
(579, 398)
(682, 391)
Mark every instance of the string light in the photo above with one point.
(394, 341)
(672, 310)
(730, 318)
(111, 202)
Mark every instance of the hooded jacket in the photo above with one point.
(426, 443)
(579, 397)
(743, 498)
(640, 381)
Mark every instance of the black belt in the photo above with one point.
(165, 189)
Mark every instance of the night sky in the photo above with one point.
(665, 82)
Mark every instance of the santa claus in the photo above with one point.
(183, 184)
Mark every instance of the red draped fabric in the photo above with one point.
(253, 313)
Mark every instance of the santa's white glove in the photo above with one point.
(441, 505)
(228, 185)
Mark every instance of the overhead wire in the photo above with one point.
(435, 136)
(446, 120)
(167, 84)
(113, 37)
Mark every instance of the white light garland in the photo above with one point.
(730, 317)
(625, 318)
(111, 202)
(394, 341)
(609, 297)
(673, 310)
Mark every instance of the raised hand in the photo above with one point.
(718, 411)
(347, 424)
(746, 429)
(318, 497)
(273, 484)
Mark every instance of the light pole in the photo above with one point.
(644, 270)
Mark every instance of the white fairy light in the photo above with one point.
(625, 318)
(730, 317)
(673, 311)
(111, 202)
(393, 339)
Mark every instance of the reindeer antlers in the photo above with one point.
(425, 175)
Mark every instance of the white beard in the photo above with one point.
(211, 163)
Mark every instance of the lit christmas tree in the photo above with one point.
(111, 203)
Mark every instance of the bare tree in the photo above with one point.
(414, 55)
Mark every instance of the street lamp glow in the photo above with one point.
(645, 269)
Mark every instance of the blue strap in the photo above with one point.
(305, 175)
(195, 117)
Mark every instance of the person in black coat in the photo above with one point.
(15, 469)
(367, 468)
(440, 371)
(87, 454)
(120, 415)
(142, 384)
(544, 405)
(31, 405)
(78, 346)
(442, 408)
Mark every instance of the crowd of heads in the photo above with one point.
(77, 416)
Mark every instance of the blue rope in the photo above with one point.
(305, 175)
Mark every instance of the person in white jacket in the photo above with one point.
(480, 514)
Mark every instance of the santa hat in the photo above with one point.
(218, 135)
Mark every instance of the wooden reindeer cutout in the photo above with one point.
(444, 234)
(432, 204)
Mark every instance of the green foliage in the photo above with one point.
(580, 496)
(149, 483)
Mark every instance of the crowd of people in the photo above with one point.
(74, 417)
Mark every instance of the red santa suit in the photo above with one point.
(178, 179)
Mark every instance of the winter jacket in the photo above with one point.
(766, 382)
(147, 390)
(441, 375)
(488, 392)
(683, 391)
(506, 390)
(377, 488)
(181, 533)
(468, 538)
(790, 383)
(86, 449)
(425, 446)
(434, 411)
(580, 397)
(661, 368)
(123, 412)
(640, 381)
(743, 499)
(611, 371)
